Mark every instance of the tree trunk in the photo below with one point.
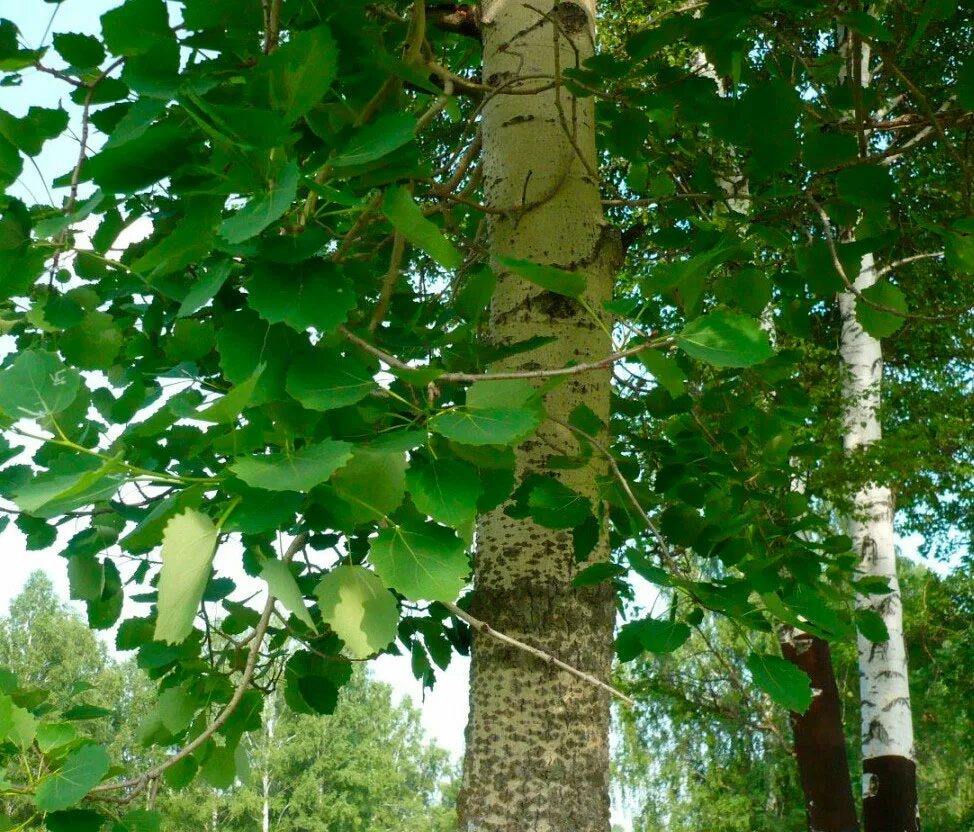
(537, 756)
(889, 768)
(820, 749)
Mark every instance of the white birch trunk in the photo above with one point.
(889, 768)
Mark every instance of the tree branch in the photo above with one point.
(547, 658)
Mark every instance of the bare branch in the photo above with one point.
(547, 658)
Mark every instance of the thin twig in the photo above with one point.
(140, 783)
(471, 378)
(547, 658)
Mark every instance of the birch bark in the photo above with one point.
(889, 768)
(537, 756)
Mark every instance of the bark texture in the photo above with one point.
(889, 770)
(537, 756)
(889, 767)
(820, 748)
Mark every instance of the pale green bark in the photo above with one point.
(537, 741)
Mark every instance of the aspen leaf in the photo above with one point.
(283, 586)
(82, 770)
(725, 339)
(361, 611)
(188, 546)
(407, 218)
(422, 562)
(298, 471)
(781, 680)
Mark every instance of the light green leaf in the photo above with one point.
(262, 210)
(188, 546)
(781, 680)
(361, 611)
(878, 322)
(54, 735)
(298, 471)
(559, 281)
(326, 380)
(424, 562)
(37, 384)
(71, 483)
(725, 339)
(283, 586)
(83, 769)
(176, 709)
(407, 218)
(17, 725)
(228, 407)
(94, 343)
(447, 490)
(375, 140)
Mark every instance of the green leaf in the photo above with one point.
(865, 186)
(301, 71)
(188, 546)
(781, 680)
(74, 483)
(298, 471)
(499, 412)
(371, 486)
(553, 505)
(136, 27)
(83, 769)
(375, 140)
(422, 562)
(79, 51)
(486, 427)
(661, 636)
(407, 218)
(94, 344)
(447, 490)
(37, 384)
(361, 611)
(878, 322)
(228, 407)
(314, 296)
(74, 820)
(666, 371)
(265, 209)
(725, 339)
(17, 725)
(326, 380)
(559, 281)
(964, 89)
(867, 25)
(140, 162)
(204, 289)
(139, 820)
(283, 586)
(54, 735)
(176, 709)
(871, 625)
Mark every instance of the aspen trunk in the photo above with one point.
(889, 765)
(537, 756)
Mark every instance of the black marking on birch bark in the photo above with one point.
(890, 804)
(571, 17)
